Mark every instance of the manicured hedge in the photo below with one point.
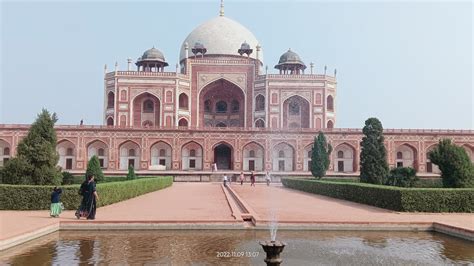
(27, 197)
(80, 179)
(393, 198)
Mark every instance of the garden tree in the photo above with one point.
(93, 168)
(37, 159)
(457, 170)
(131, 173)
(402, 177)
(68, 178)
(320, 156)
(373, 160)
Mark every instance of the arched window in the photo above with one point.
(147, 123)
(148, 106)
(69, 152)
(6, 151)
(207, 106)
(131, 153)
(330, 124)
(318, 98)
(101, 152)
(235, 106)
(183, 101)
(281, 154)
(162, 152)
(183, 122)
(221, 107)
(330, 103)
(260, 103)
(192, 153)
(110, 100)
(399, 155)
(110, 121)
(260, 123)
(123, 95)
(340, 154)
(251, 153)
(294, 108)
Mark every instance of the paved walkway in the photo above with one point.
(287, 205)
(206, 203)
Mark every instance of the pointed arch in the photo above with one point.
(253, 156)
(100, 149)
(409, 155)
(296, 112)
(67, 154)
(183, 101)
(110, 100)
(344, 158)
(283, 155)
(129, 154)
(160, 154)
(191, 156)
(431, 167)
(5, 152)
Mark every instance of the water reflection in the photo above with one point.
(168, 247)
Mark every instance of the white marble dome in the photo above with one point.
(220, 36)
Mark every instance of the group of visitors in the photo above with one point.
(88, 205)
(252, 179)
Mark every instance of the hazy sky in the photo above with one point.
(409, 64)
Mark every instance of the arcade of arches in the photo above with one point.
(228, 150)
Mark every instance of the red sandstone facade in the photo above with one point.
(219, 107)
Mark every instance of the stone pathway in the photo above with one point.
(206, 203)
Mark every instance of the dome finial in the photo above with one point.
(221, 12)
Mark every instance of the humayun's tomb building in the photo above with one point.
(221, 106)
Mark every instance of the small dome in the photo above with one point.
(152, 54)
(244, 45)
(290, 57)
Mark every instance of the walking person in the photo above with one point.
(268, 178)
(56, 205)
(89, 199)
(252, 179)
(225, 180)
(242, 178)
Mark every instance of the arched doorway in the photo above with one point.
(223, 157)
(222, 103)
(296, 112)
(146, 110)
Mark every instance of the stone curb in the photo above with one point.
(230, 225)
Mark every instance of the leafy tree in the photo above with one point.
(68, 178)
(373, 160)
(131, 173)
(320, 156)
(457, 170)
(93, 168)
(402, 177)
(37, 159)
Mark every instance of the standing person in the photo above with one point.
(89, 199)
(268, 178)
(242, 178)
(252, 179)
(56, 206)
(225, 180)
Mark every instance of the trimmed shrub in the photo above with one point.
(68, 179)
(456, 167)
(393, 198)
(320, 156)
(28, 197)
(131, 173)
(402, 177)
(93, 168)
(373, 155)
